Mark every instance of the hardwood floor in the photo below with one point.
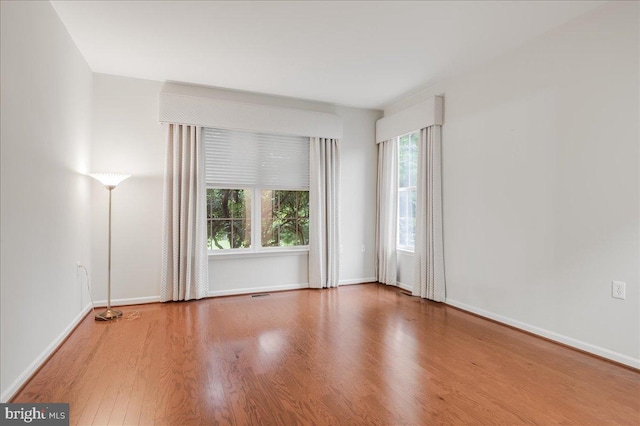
(362, 354)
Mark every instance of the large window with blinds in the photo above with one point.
(257, 190)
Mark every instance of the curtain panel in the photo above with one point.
(429, 279)
(184, 256)
(324, 194)
(386, 213)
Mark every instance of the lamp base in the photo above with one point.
(108, 315)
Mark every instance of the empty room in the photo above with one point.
(320, 212)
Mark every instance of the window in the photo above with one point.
(228, 218)
(407, 177)
(285, 218)
(270, 172)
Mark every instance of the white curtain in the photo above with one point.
(184, 255)
(387, 213)
(429, 281)
(324, 192)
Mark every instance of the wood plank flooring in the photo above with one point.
(362, 354)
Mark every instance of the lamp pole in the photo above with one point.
(110, 181)
(117, 313)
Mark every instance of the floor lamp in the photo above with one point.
(110, 181)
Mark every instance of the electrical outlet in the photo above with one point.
(618, 290)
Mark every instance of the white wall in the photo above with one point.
(45, 149)
(406, 269)
(541, 184)
(127, 137)
(358, 168)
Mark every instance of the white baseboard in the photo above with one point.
(28, 372)
(252, 290)
(357, 281)
(130, 301)
(569, 341)
(404, 286)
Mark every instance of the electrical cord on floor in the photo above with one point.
(86, 273)
(133, 315)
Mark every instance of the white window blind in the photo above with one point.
(236, 159)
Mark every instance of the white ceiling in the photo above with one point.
(361, 53)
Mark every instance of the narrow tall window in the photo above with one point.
(407, 177)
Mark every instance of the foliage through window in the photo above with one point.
(285, 218)
(228, 218)
(407, 178)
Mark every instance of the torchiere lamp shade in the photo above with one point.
(109, 179)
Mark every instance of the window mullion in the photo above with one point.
(256, 216)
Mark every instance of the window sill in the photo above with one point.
(405, 251)
(243, 254)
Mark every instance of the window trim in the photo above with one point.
(266, 252)
(405, 251)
